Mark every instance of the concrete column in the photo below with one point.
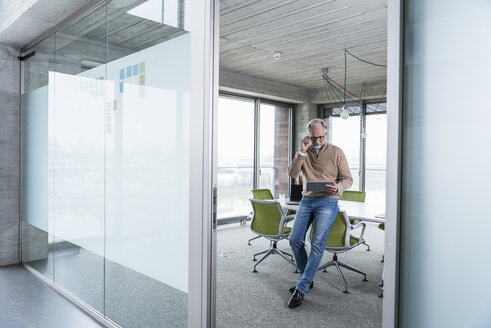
(305, 113)
(9, 155)
(281, 150)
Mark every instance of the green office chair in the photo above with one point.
(268, 221)
(260, 194)
(355, 196)
(340, 240)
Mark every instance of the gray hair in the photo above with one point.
(316, 122)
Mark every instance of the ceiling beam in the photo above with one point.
(259, 87)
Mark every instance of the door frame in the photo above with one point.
(395, 60)
(202, 176)
(204, 90)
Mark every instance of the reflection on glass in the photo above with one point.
(235, 156)
(147, 168)
(37, 161)
(106, 162)
(147, 149)
(345, 133)
(78, 138)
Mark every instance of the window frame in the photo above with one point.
(257, 141)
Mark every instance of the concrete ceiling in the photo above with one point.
(309, 34)
(24, 21)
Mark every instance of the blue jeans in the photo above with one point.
(324, 211)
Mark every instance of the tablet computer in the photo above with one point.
(317, 185)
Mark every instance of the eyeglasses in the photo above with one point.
(317, 138)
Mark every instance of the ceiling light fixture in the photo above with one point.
(277, 55)
(339, 94)
(344, 113)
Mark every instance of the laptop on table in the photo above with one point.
(295, 194)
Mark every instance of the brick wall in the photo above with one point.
(281, 150)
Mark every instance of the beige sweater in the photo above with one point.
(329, 165)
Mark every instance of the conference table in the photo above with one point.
(369, 211)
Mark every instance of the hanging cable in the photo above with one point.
(345, 51)
(347, 91)
(330, 87)
(365, 61)
(337, 89)
(325, 86)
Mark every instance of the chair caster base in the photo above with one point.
(365, 279)
(346, 291)
(255, 271)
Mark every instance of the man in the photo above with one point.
(316, 160)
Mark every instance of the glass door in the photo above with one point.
(117, 110)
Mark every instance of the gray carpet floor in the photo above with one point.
(244, 298)
(127, 297)
(247, 299)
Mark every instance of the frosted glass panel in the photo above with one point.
(147, 154)
(445, 224)
(105, 161)
(79, 152)
(78, 112)
(35, 155)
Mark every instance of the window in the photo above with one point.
(376, 153)
(236, 176)
(345, 133)
(368, 153)
(235, 156)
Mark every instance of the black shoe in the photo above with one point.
(296, 299)
(292, 289)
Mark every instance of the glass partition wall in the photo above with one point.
(105, 161)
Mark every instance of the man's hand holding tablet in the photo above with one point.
(322, 186)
